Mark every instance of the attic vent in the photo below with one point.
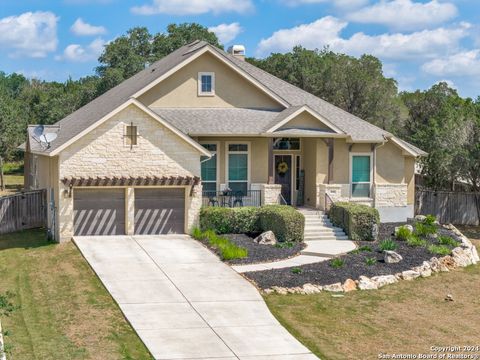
(238, 51)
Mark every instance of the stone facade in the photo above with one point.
(390, 195)
(104, 152)
(271, 194)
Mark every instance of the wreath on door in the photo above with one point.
(282, 168)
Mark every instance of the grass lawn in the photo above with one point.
(13, 184)
(407, 317)
(62, 310)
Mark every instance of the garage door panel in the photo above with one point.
(99, 212)
(159, 211)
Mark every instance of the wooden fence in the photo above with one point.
(462, 208)
(26, 210)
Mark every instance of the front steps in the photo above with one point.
(319, 227)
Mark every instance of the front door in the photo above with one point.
(283, 175)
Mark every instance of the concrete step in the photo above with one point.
(323, 231)
(320, 234)
(319, 223)
(320, 238)
(322, 227)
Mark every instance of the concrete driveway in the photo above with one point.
(184, 303)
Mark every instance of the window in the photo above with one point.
(206, 83)
(209, 169)
(237, 169)
(361, 175)
(131, 135)
(286, 144)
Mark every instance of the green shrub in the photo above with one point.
(197, 233)
(337, 263)
(365, 248)
(370, 261)
(387, 244)
(442, 250)
(422, 229)
(285, 245)
(11, 168)
(429, 220)
(403, 233)
(286, 223)
(416, 241)
(360, 222)
(242, 220)
(447, 240)
(296, 270)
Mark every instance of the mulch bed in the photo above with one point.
(261, 253)
(354, 264)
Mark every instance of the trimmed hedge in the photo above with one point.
(360, 222)
(286, 223)
(242, 220)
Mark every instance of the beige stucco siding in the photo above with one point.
(390, 164)
(103, 151)
(409, 170)
(305, 120)
(231, 89)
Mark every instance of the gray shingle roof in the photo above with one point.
(217, 121)
(228, 121)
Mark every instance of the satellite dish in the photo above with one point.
(47, 138)
(38, 131)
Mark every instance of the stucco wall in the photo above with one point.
(410, 179)
(390, 164)
(231, 89)
(305, 120)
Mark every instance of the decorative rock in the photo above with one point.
(398, 276)
(349, 285)
(409, 227)
(446, 263)
(434, 264)
(392, 257)
(420, 218)
(449, 226)
(449, 297)
(424, 270)
(337, 287)
(280, 290)
(461, 257)
(410, 275)
(268, 291)
(384, 280)
(266, 238)
(311, 289)
(366, 283)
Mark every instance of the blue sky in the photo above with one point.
(420, 42)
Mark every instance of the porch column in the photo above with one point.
(330, 143)
(270, 161)
(130, 205)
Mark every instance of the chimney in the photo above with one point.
(238, 51)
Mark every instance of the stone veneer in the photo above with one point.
(103, 152)
(390, 195)
(270, 193)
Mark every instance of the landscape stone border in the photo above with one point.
(3, 356)
(464, 255)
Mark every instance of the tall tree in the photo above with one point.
(356, 85)
(130, 53)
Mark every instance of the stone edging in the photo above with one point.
(3, 356)
(464, 255)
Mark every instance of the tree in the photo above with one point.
(356, 85)
(131, 53)
(437, 124)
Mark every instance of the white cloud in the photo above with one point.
(346, 4)
(32, 34)
(81, 28)
(405, 14)
(466, 63)
(193, 7)
(79, 53)
(326, 31)
(226, 32)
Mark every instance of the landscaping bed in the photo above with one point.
(367, 260)
(258, 253)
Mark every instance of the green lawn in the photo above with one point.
(13, 184)
(62, 311)
(407, 317)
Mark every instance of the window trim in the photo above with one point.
(249, 164)
(369, 154)
(199, 81)
(291, 150)
(298, 166)
(125, 136)
(215, 154)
